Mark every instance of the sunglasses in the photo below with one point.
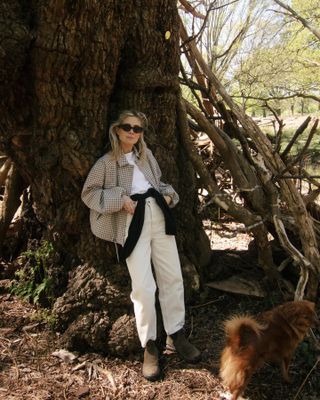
(128, 128)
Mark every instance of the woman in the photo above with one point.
(130, 206)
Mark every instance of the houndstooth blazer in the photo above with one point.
(107, 181)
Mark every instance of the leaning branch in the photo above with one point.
(298, 158)
(296, 255)
(219, 197)
(297, 133)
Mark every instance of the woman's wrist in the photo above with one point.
(168, 199)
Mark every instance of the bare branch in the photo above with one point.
(221, 198)
(311, 197)
(202, 105)
(290, 96)
(298, 17)
(188, 7)
(234, 41)
(304, 263)
(303, 176)
(280, 130)
(311, 178)
(298, 132)
(304, 149)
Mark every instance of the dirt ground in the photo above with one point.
(30, 370)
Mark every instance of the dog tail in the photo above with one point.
(242, 334)
(241, 331)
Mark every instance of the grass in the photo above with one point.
(311, 157)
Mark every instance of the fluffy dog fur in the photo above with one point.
(272, 336)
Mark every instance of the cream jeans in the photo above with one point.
(162, 249)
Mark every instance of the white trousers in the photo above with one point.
(162, 249)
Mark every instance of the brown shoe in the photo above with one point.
(150, 367)
(179, 343)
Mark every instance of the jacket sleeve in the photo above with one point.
(164, 188)
(98, 198)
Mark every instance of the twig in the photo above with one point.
(304, 149)
(284, 263)
(311, 178)
(194, 37)
(297, 133)
(191, 329)
(205, 304)
(301, 260)
(306, 378)
(279, 131)
(200, 104)
(298, 177)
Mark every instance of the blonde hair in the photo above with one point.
(114, 140)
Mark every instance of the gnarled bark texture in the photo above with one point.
(68, 68)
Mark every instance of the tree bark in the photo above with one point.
(14, 186)
(77, 65)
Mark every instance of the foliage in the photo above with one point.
(262, 55)
(46, 316)
(32, 280)
(282, 67)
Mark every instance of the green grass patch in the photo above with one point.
(32, 281)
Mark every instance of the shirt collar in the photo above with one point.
(122, 159)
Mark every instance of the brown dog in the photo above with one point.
(273, 336)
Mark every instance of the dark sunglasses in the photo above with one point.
(128, 127)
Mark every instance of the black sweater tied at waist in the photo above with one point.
(137, 221)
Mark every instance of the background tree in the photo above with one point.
(284, 67)
(309, 8)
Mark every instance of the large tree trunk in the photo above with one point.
(71, 68)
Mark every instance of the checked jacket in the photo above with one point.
(108, 180)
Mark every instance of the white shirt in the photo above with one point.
(139, 181)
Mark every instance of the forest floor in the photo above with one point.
(29, 369)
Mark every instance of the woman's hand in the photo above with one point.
(128, 204)
(168, 199)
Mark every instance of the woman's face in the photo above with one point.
(129, 132)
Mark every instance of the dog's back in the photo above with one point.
(273, 336)
(287, 325)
